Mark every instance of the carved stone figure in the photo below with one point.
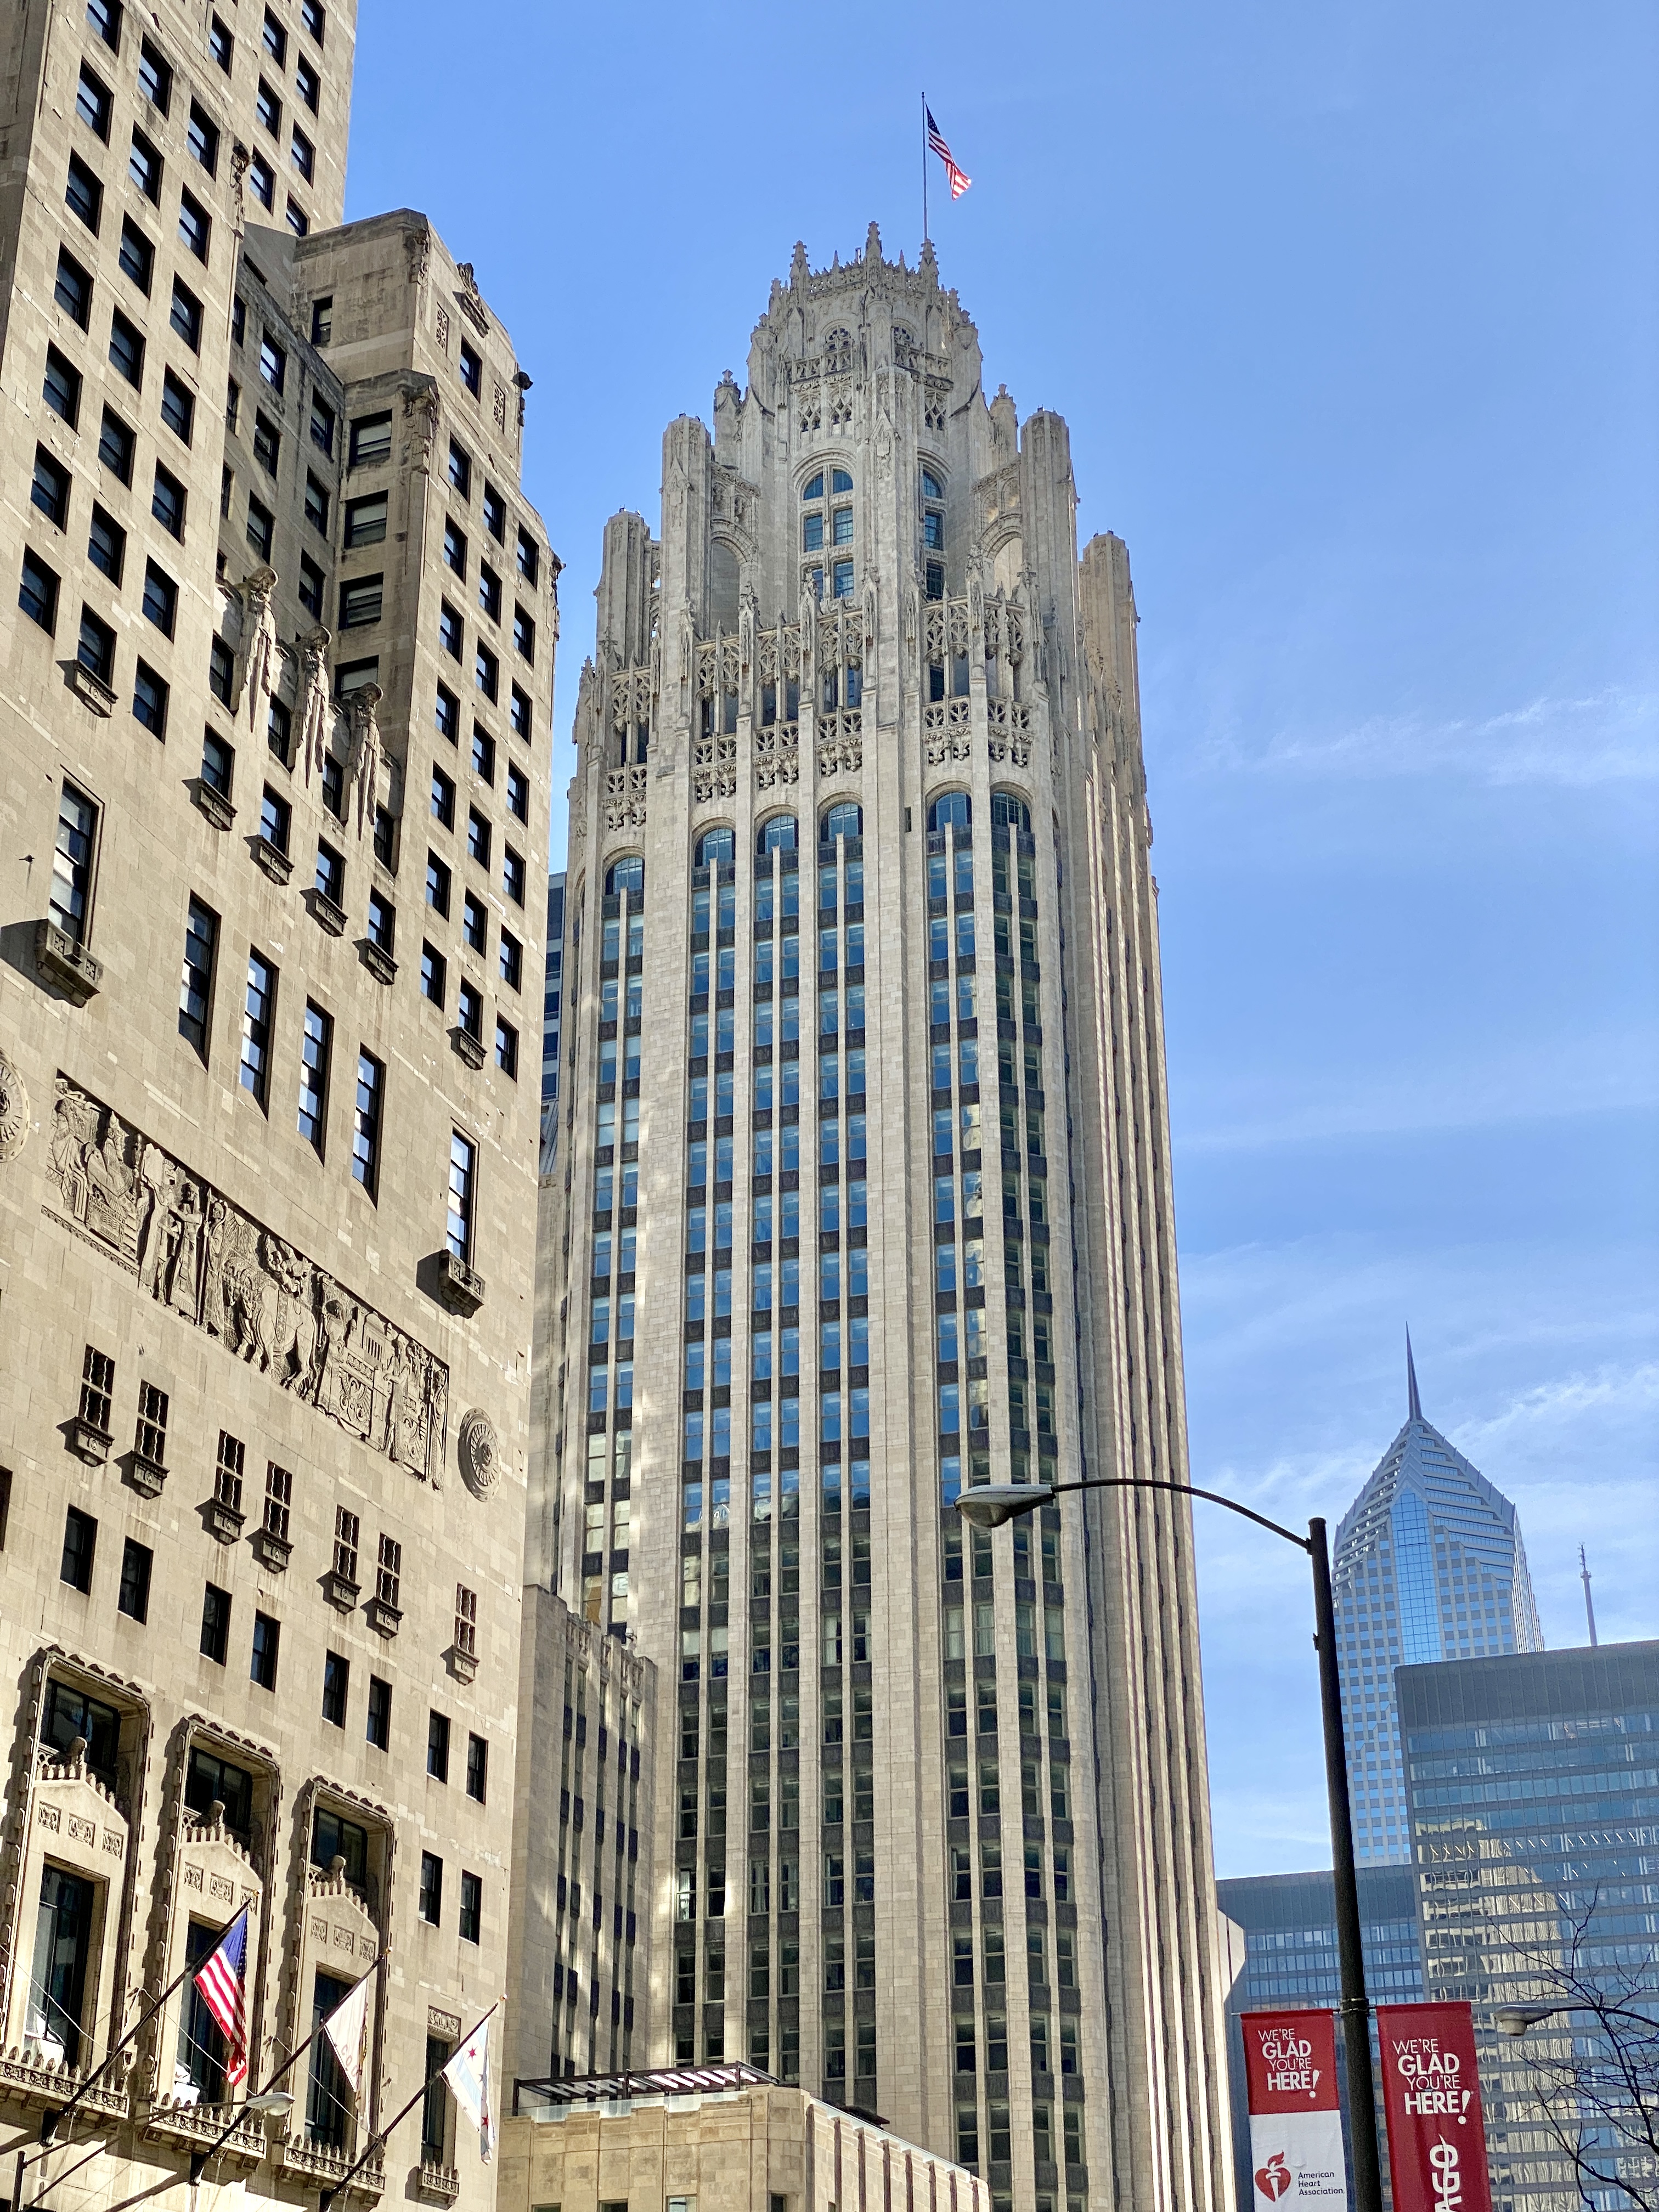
(312, 644)
(417, 254)
(184, 1230)
(14, 1111)
(478, 1447)
(156, 1183)
(421, 424)
(259, 644)
(364, 761)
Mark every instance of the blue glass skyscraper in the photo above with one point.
(1429, 1565)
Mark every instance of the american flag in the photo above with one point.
(222, 1980)
(959, 181)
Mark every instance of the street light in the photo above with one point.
(1516, 2018)
(263, 2101)
(991, 1505)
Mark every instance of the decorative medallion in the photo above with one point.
(479, 1447)
(14, 1111)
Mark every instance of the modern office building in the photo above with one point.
(863, 1195)
(275, 709)
(1429, 1564)
(1533, 1782)
(1288, 1922)
(552, 1004)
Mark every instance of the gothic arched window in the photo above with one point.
(952, 807)
(716, 846)
(827, 524)
(846, 820)
(1009, 811)
(932, 532)
(779, 833)
(625, 875)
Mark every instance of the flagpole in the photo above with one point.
(924, 168)
(377, 2141)
(198, 2159)
(51, 2120)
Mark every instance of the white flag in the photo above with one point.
(468, 2075)
(346, 2030)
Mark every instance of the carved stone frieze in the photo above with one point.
(200, 1256)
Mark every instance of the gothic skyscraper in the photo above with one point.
(1429, 1564)
(866, 1197)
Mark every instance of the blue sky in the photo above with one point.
(1353, 314)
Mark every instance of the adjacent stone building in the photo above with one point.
(861, 1196)
(274, 711)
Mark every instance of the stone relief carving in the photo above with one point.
(469, 299)
(478, 1448)
(421, 426)
(14, 1111)
(418, 253)
(259, 644)
(194, 1252)
(316, 716)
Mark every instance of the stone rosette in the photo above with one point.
(479, 1450)
(14, 1111)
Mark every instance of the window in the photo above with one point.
(460, 469)
(361, 601)
(267, 441)
(308, 84)
(274, 39)
(267, 1636)
(315, 1047)
(62, 388)
(218, 763)
(345, 1545)
(432, 1888)
(300, 154)
(107, 544)
(517, 794)
(150, 1436)
(136, 257)
(73, 290)
(311, 597)
(115, 450)
(220, 45)
(95, 649)
(366, 1122)
(451, 630)
(83, 195)
(268, 108)
(63, 1958)
(322, 310)
(161, 598)
(365, 521)
(312, 16)
(333, 1837)
(257, 1009)
(463, 1159)
(316, 504)
(279, 1498)
(194, 226)
(524, 634)
(507, 1048)
(513, 875)
(371, 440)
(434, 971)
(149, 699)
(472, 369)
(216, 1623)
(80, 1542)
(437, 884)
(136, 1561)
(273, 363)
(486, 672)
(178, 409)
(448, 715)
(519, 714)
(275, 818)
(443, 798)
(202, 137)
(337, 1685)
(379, 1730)
(261, 527)
(196, 983)
(530, 559)
(469, 1009)
(511, 961)
(262, 181)
(330, 881)
(489, 591)
(167, 501)
(92, 103)
(185, 316)
(437, 1746)
(71, 863)
(477, 837)
(144, 166)
(51, 489)
(36, 592)
(382, 920)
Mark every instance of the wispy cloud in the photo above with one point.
(1608, 737)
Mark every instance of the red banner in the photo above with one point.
(1432, 2098)
(1296, 2121)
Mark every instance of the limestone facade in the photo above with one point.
(862, 1195)
(275, 707)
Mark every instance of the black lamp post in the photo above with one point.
(989, 1505)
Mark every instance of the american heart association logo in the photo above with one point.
(1273, 2180)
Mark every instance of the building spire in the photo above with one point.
(1589, 1608)
(1414, 1403)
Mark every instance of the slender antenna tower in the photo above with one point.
(1589, 1606)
